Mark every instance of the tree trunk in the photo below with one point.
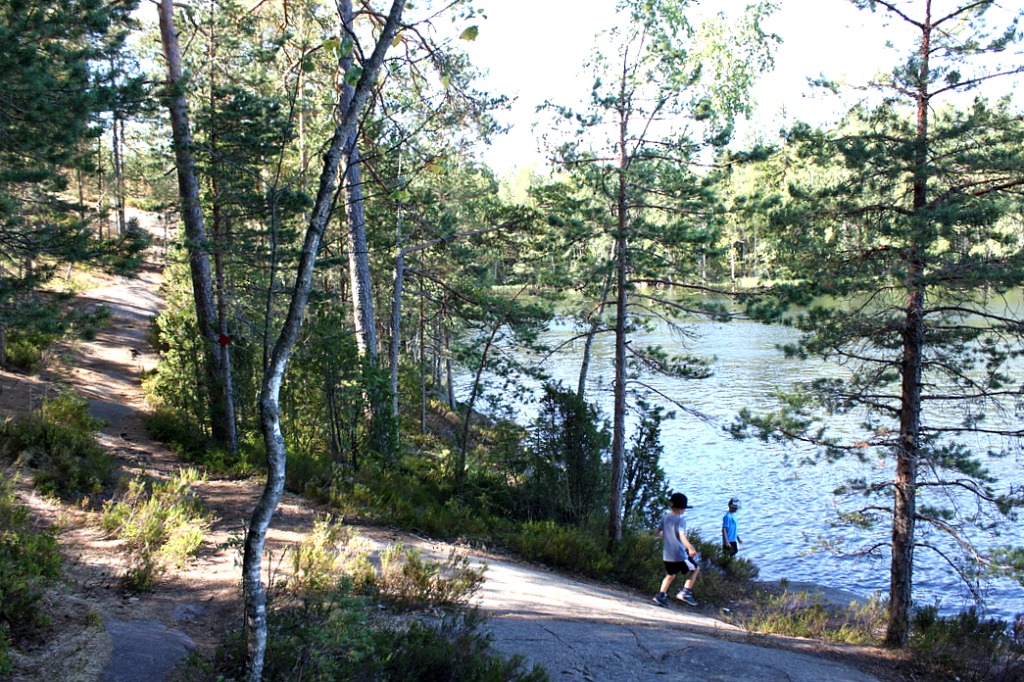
(230, 426)
(220, 245)
(365, 321)
(381, 416)
(116, 148)
(908, 450)
(333, 415)
(339, 150)
(423, 369)
(396, 302)
(588, 346)
(81, 199)
(449, 381)
(907, 456)
(460, 465)
(621, 331)
(195, 231)
(619, 393)
(99, 184)
(359, 260)
(396, 327)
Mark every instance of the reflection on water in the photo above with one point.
(788, 508)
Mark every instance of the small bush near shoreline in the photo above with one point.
(968, 647)
(797, 613)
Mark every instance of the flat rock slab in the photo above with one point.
(143, 651)
(575, 651)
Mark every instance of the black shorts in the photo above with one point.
(674, 567)
(730, 549)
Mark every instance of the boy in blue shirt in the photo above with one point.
(730, 535)
(677, 552)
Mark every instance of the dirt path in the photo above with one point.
(579, 631)
(98, 632)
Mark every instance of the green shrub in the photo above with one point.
(968, 647)
(404, 578)
(723, 579)
(454, 649)
(638, 561)
(409, 581)
(575, 549)
(70, 410)
(452, 518)
(316, 623)
(5, 651)
(162, 523)
(646, 490)
(307, 475)
(28, 557)
(35, 331)
(566, 476)
(25, 355)
(796, 614)
(733, 567)
(141, 574)
(326, 636)
(338, 639)
(59, 444)
(191, 441)
(322, 625)
(326, 555)
(176, 431)
(407, 497)
(802, 614)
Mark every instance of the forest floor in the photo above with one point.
(578, 630)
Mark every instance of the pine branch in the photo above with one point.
(689, 410)
(987, 189)
(961, 10)
(690, 287)
(964, 577)
(675, 305)
(895, 10)
(966, 484)
(1018, 433)
(572, 339)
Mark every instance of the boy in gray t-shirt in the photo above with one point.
(677, 552)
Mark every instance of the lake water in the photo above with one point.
(787, 507)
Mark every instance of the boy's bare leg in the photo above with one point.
(666, 583)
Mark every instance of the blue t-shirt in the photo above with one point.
(671, 526)
(729, 524)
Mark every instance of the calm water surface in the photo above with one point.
(787, 507)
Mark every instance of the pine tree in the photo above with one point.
(899, 237)
(670, 90)
(54, 92)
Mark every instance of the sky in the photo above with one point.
(535, 50)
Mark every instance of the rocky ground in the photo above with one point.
(578, 630)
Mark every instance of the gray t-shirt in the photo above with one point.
(673, 548)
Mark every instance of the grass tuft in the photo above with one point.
(29, 557)
(162, 524)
